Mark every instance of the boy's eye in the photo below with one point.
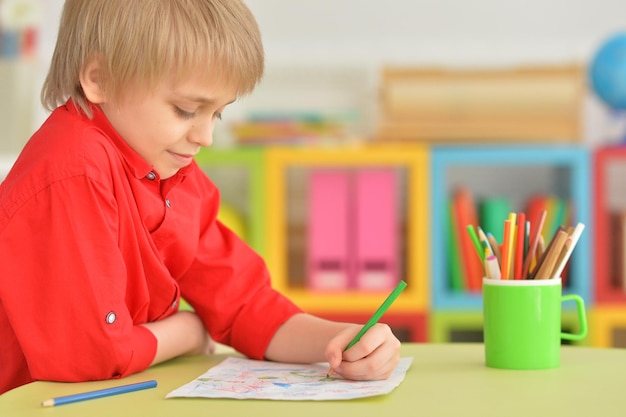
(184, 114)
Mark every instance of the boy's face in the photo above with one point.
(168, 127)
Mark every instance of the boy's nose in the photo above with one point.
(202, 133)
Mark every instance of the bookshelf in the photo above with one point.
(516, 173)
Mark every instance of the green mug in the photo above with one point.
(522, 323)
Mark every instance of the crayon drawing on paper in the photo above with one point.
(249, 379)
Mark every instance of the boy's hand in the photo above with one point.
(374, 357)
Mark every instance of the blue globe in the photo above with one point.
(607, 72)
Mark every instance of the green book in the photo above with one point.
(492, 212)
(455, 264)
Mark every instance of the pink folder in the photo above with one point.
(329, 230)
(376, 229)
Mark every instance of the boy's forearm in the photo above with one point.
(180, 334)
(303, 339)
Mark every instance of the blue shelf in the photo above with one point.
(516, 172)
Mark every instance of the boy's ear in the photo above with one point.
(91, 80)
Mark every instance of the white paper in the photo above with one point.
(249, 379)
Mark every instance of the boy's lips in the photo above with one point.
(184, 158)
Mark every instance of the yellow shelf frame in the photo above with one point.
(415, 158)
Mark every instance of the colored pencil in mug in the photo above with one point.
(574, 236)
(484, 241)
(534, 241)
(492, 267)
(551, 255)
(495, 247)
(518, 254)
(476, 242)
(505, 263)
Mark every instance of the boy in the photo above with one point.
(106, 220)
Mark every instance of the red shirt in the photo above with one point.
(93, 244)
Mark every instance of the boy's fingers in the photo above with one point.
(370, 341)
(335, 348)
(379, 364)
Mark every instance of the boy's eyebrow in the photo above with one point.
(202, 99)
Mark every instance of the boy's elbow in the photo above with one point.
(93, 362)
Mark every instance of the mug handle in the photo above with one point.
(582, 318)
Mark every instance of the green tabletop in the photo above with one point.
(444, 380)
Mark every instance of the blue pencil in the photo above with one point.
(99, 393)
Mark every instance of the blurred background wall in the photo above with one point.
(327, 54)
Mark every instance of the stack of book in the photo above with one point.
(289, 129)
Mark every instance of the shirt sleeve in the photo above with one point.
(229, 287)
(63, 285)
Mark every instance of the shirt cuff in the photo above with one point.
(255, 328)
(144, 350)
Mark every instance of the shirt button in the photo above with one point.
(111, 317)
(167, 203)
(151, 176)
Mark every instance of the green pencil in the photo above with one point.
(378, 314)
(476, 242)
(375, 317)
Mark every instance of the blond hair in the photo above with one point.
(141, 42)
